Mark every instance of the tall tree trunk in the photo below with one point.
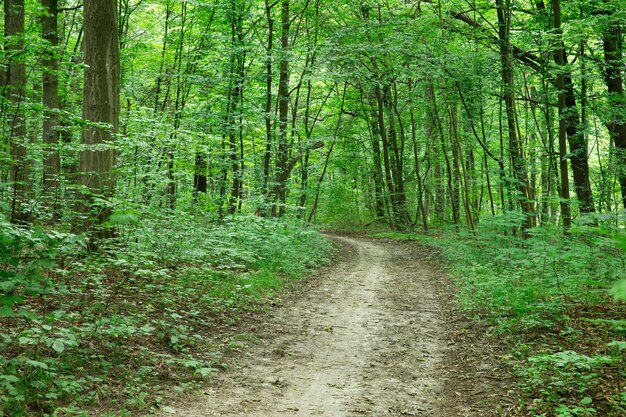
(389, 178)
(421, 207)
(179, 107)
(515, 145)
(442, 141)
(560, 60)
(101, 106)
(398, 157)
(16, 80)
(574, 129)
(379, 193)
(432, 120)
(280, 193)
(327, 159)
(51, 133)
(613, 76)
(233, 116)
(461, 167)
(455, 176)
(267, 155)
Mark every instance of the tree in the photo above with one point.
(15, 79)
(560, 60)
(515, 144)
(51, 132)
(100, 109)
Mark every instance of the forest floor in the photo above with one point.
(375, 334)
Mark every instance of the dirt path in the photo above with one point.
(369, 339)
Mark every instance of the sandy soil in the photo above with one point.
(373, 337)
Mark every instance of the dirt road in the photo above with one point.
(368, 339)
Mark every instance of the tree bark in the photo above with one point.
(233, 116)
(51, 133)
(560, 60)
(100, 106)
(16, 79)
(389, 177)
(267, 155)
(280, 193)
(613, 76)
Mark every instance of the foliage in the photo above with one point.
(548, 296)
(94, 329)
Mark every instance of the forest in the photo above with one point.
(173, 170)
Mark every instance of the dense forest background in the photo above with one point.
(406, 113)
(149, 144)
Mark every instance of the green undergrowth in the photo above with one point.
(112, 333)
(549, 297)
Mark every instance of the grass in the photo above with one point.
(115, 333)
(401, 236)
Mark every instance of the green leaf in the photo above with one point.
(10, 378)
(58, 346)
(586, 401)
(619, 344)
(29, 315)
(7, 300)
(36, 364)
(6, 311)
(618, 291)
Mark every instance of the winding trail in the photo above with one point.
(369, 339)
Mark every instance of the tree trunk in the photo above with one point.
(200, 174)
(421, 207)
(15, 93)
(574, 130)
(280, 193)
(389, 178)
(51, 133)
(379, 192)
(616, 124)
(432, 120)
(560, 60)
(398, 153)
(267, 155)
(515, 145)
(101, 106)
(233, 116)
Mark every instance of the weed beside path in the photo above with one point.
(115, 333)
(546, 307)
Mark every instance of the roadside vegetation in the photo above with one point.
(150, 315)
(554, 300)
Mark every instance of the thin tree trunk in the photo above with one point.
(560, 58)
(233, 118)
(515, 145)
(267, 155)
(391, 189)
(432, 119)
(327, 159)
(420, 187)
